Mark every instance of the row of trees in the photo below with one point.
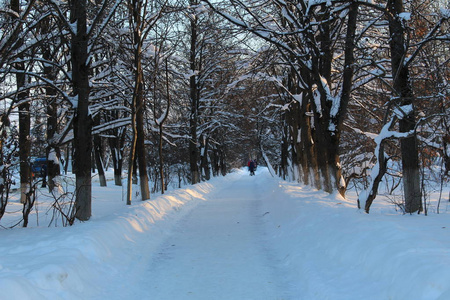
(134, 82)
(191, 88)
(334, 54)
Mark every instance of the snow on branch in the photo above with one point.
(6, 10)
(117, 123)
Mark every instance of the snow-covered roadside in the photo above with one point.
(77, 262)
(335, 251)
(323, 246)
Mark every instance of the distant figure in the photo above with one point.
(44, 175)
(251, 167)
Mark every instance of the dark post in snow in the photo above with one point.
(82, 122)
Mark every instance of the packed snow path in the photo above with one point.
(218, 251)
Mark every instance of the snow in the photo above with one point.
(234, 237)
(445, 13)
(298, 97)
(403, 111)
(406, 16)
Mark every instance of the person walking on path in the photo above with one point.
(251, 167)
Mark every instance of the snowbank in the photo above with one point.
(76, 262)
(338, 252)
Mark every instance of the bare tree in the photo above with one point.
(24, 114)
(305, 36)
(142, 21)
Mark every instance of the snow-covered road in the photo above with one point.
(236, 238)
(218, 251)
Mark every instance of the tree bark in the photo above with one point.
(116, 147)
(347, 82)
(53, 152)
(98, 150)
(160, 125)
(204, 158)
(284, 148)
(138, 102)
(194, 98)
(132, 158)
(403, 90)
(82, 121)
(24, 121)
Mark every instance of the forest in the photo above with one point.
(335, 94)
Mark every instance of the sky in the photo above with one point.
(234, 237)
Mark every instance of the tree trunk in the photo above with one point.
(347, 82)
(132, 158)
(322, 148)
(138, 103)
(98, 160)
(223, 165)
(310, 164)
(161, 158)
(4, 176)
(116, 146)
(204, 158)
(284, 148)
(194, 98)
(24, 143)
(379, 171)
(140, 142)
(53, 152)
(161, 122)
(82, 121)
(403, 90)
(24, 121)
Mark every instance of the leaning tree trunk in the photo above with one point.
(403, 90)
(82, 122)
(347, 82)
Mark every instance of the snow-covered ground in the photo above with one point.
(234, 237)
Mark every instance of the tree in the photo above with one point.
(305, 36)
(194, 95)
(24, 112)
(401, 107)
(81, 39)
(403, 90)
(82, 121)
(142, 22)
